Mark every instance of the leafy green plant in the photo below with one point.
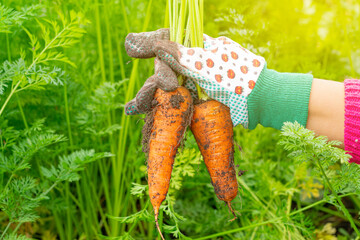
(22, 194)
(11, 18)
(20, 75)
(325, 157)
(13, 236)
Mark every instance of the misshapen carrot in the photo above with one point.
(171, 116)
(213, 130)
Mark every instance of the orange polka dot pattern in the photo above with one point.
(222, 56)
(226, 71)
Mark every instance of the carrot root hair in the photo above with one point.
(231, 210)
(158, 227)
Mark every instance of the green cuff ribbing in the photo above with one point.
(278, 98)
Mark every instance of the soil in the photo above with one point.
(176, 100)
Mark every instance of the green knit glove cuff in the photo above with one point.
(278, 98)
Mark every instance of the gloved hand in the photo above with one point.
(164, 78)
(231, 75)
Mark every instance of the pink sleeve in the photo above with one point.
(352, 119)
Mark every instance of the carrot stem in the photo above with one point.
(189, 14)
(195, 31)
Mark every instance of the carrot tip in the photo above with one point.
(232, 211)
(158, 227)
(231, 220)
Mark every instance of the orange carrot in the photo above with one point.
(166, 129)
(213, 130)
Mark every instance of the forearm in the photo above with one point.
(288, 97)
(326, 109)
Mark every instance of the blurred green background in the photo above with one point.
(79, 83)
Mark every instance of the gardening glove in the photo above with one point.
(234, 76)
(164, 78)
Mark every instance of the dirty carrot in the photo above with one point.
(213, 130)
(164, 131)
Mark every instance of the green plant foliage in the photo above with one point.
(19, 200)
(142, 215)
(318, 151)
(139, 190)
(185, 165)
(324, 157)
(14, 236)
(71, 164)
(10, 17)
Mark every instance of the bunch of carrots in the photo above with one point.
(210, 120)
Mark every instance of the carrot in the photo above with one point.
(213, 130)
(170, 118)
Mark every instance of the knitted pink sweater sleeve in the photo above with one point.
(352, 119)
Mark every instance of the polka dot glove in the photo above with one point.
(223, 69)
(232, 75)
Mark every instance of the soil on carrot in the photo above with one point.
(187, 116)
(220, 190)
(175, 102)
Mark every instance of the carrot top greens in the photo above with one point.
(186, 27)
